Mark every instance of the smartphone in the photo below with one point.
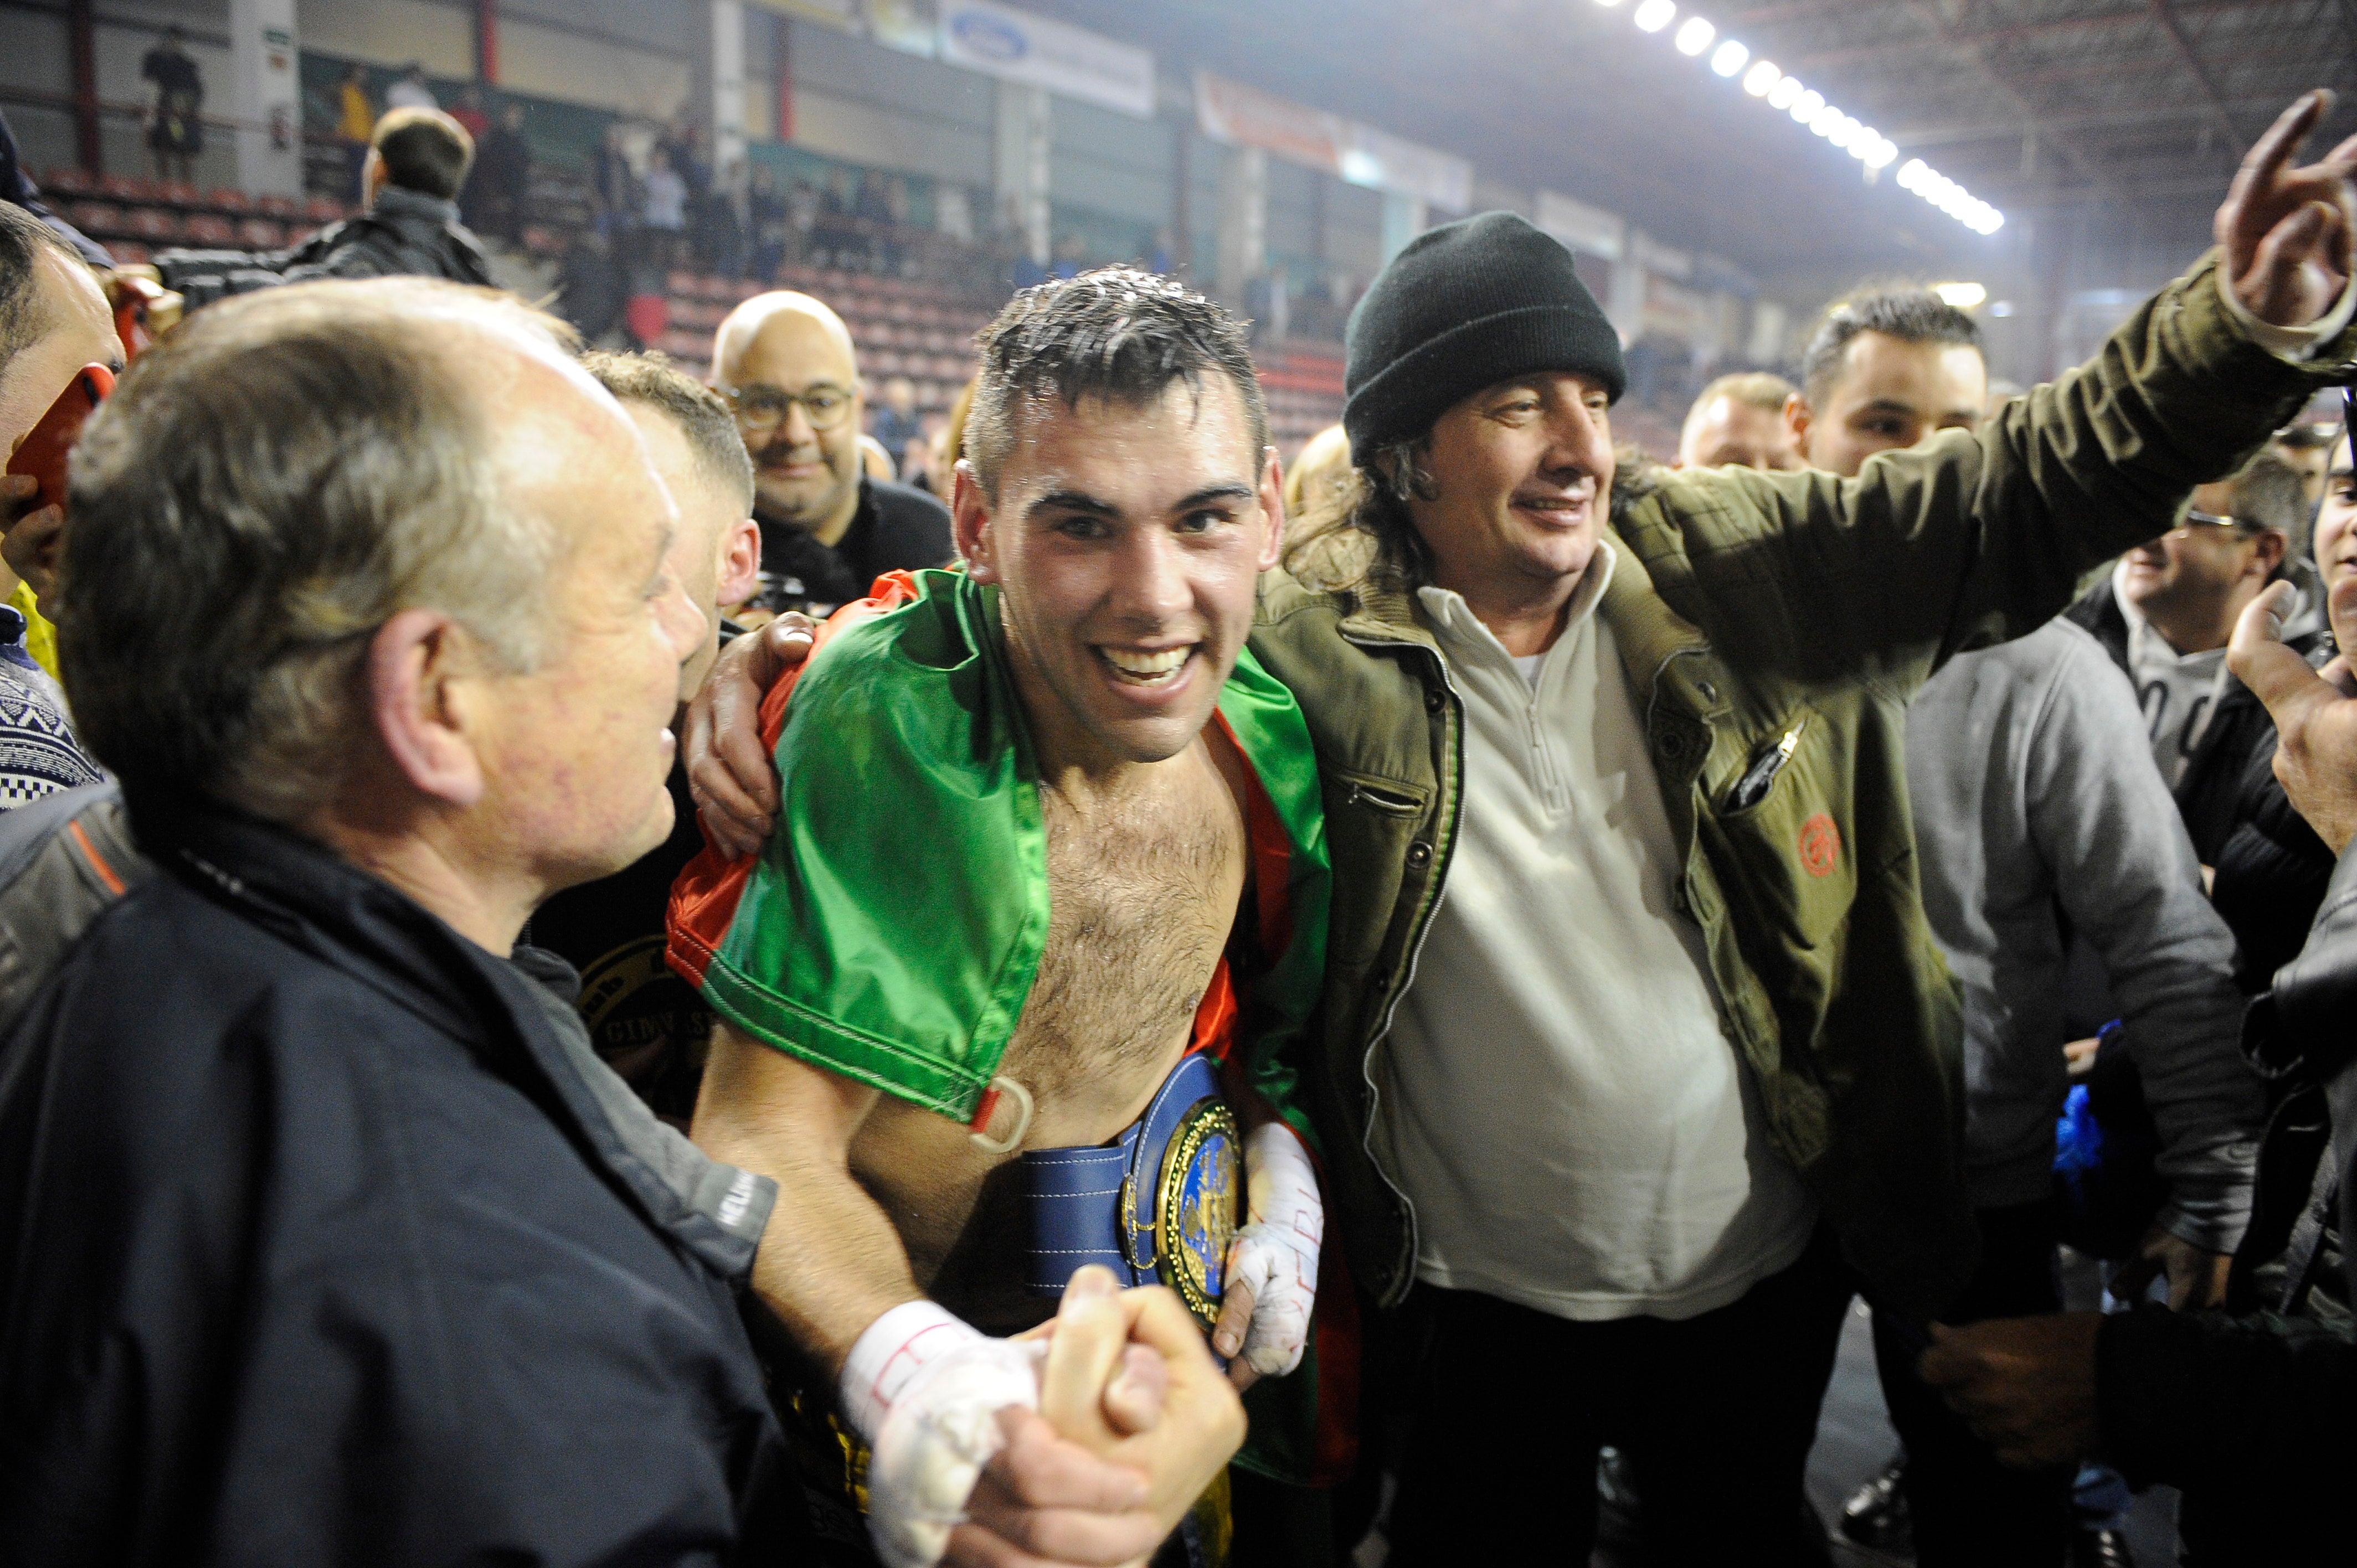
(42, 452)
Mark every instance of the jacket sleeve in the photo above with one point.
(2271, 874)
(1981, 535)
(2258, 1404)
(2124, 873)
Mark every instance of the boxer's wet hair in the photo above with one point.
(1115, 332)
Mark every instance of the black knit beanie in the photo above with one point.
(1464, 307)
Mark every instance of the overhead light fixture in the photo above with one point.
(1763, 78)
(1949, 197)
(1785, 93)
(1808, 105)
(1696, 36)
(1654, 15)
(1963, 295)
(1728, 58)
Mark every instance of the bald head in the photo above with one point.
(782, 323)
(786, 364)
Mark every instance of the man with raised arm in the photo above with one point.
(1004, 994)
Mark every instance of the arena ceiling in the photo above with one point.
(2141, 106)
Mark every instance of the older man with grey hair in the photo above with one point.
(324, 1235)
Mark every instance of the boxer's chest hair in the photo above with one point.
(1142, 898)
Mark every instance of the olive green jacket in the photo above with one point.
(1751, 607)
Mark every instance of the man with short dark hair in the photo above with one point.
(53, 321)
(786, 364)
(417, 162)
(1740, 419)
(1006, 991)
(2039, 825)
(1883, 371)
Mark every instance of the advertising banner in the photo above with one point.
(1583, 228)
(1001, 41)
(1245, 117)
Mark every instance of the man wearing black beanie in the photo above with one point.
(1625, 1118)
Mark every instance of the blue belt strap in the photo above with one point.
(1076, 1194)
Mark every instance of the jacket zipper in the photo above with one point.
(1415, 951)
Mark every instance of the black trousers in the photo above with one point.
(1716, 1415)
(1969, 1510)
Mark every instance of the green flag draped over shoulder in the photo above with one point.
(891, 927)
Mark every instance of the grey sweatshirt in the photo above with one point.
(2035, 797)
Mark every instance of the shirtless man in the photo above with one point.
(971, 991)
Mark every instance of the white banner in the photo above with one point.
(1582, 227)
(1001, 41)
(1384, 162)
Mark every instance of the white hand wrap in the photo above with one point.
(1274, 1256)
(925, 1389)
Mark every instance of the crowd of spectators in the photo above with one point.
(1904, 834)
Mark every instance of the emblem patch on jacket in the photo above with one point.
(1820, 845)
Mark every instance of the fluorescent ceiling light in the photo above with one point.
(1785, 93)
(1696, 36)
(1763, 78)
(1728, 58)
(1963, 295)
(1654, 15)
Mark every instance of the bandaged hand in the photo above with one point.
(1273, 1263)
(925, 1390)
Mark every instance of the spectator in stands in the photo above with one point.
(613, 186)
(372, 614)
(416, 165)
(768, 225)
(648, 1024)
(176, 126)
(2249, 1412)
(786, 365)
(1740, 419)
(469, 114)
(593, 288)
(410, 92)
(722, 220)
(663, 217)
(1886, 370)
(804, 208)
(53, 321)
(355, 126)
(501, 181)
(894, 421)
(17, 186)
(2037, 820)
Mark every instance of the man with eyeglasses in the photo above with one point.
(2165, 614)
(786, 365)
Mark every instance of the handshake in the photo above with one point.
(1085, 1441)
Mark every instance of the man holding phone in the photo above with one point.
(54, 322)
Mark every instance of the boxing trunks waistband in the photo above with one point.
(1157, 1205)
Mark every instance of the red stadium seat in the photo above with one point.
(261, 235)
(277, 207)
(322, 210)
(155, 224)
(225, 198)
(69, 180)
(126, 187)
(209, 228)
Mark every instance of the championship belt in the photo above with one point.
(1157, 1205)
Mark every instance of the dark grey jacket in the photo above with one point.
(404, 234)
(324, 1238)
